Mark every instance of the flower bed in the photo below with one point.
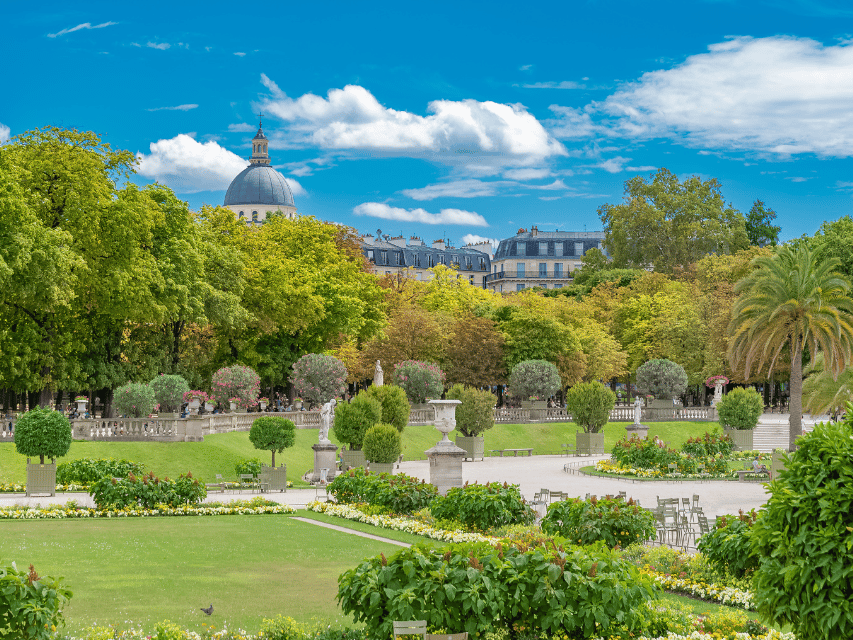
(70, 510)
(350, 512)
(608, 466)
(15, 487)
(724, 595)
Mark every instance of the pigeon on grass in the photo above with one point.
(209, 610)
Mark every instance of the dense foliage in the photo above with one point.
(483, 506)
(727, 547)
(612, 521)
(237, 381)
(590, 404)
(537, 379)
(709, 444)
(43, 432)
(399, 493)
(803, 537)
(382, 443)
(653, 454)
(740, 408)
(574, 592)
(420, 380)
(318, 378)
(272, 433)
(354, 418)
(30, 605)
(662, 378)
(146, 491)
(169, 391)
(476, 414)
(134, 399)
(248, 465)
(395, 405)
(89, 470)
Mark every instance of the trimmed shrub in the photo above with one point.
(237, 381)
(395, 405)
(353, 419)
(382, 443)
(318, 378)
(709, 444)
(272, 433)
(643, 453)
(400, 493)
(613, 521)
(803, 537)
(537, 379)
(134, 400)
(88, 470)
(727, 547)
(483, 506)
(420, 380)
(590, 404)
(740, 409)
(30, 604)
(146, 492)
(476, 414)
(662, 378)
(44, 433)
(169, 392)
(573, 592)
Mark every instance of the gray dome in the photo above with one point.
(259, 184)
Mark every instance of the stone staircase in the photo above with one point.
(772, 431)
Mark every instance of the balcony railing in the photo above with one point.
(529, 275)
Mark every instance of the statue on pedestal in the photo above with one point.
(378, 376)
(638, 409)
(326, 413)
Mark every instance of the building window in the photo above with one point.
(254, 216)
(519, 287)
(520, 269)
(521, 249)
(578, 248)
(543, 248)
(558, 286)
(418, 276)
(384, 257)
(399, 258)
(241, 215)
(471, 279)
(543, 269)
(558, 248)
(387, 273)
(370, 254)
(468, 263)
(558, 269)
(431, 261)
(417, 259)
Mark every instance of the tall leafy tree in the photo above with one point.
(793, 300)
(670, 224)
(835, 239)
(759, 225)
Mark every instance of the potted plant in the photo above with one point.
(134, 400)
(664, 379)
(209, 405)
(263, 402)
(475, 415)
(420, 380)
(169, 392)
(81, 401)
(274, 434)
(297, 402)
(534, 379)
(42, 432)
(382, 446)
(233, 404)
(716, 383)
(590, 404)
(194, 399)
(318, 378)
(238, 382)
(738, 412)
(352, 420)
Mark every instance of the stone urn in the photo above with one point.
(208, 406)
(445, 458)
(232, 406)
(194, 406)
(263, 406)
(718, 393)
(298, 405)
(81, 406)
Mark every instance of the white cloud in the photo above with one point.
(162, 46)
(445, 216)
(472, 238)
(4, 133)
(85, 25)
(554, 186)
(525, 67)
(295, 188)
(189, 166)
(799, 179)
(527, 174)
(455, 132)
(572, 123)
(241, 128)
(239, 53)
(565, 84)
(456, 189)
(777, 95)
(180, 107)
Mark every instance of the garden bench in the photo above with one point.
(567, 449)
(515, 452)
(742, 473)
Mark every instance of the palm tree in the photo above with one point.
(792, 299)
(822, 392)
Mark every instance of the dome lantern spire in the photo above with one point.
(259, 145)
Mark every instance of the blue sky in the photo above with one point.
(455, 120)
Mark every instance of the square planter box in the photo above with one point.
(380, 467)
(41, 479)
(353, 458)
(777, 465)
(589, 443)
(534, 404)
(275, 478)
(741, 438)
(474, 446)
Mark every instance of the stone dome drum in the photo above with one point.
(259, 184)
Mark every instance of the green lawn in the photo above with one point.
(218, 453)
(147, 570)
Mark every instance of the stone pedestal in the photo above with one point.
(325, 457)
(445, 458)
(639, 430)
(194, 426)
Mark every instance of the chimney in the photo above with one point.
(415, 241)
(438, 244)
(398, 241)
(534, 231)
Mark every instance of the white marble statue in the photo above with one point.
(638, 409)
(326, 413)
(378, 375)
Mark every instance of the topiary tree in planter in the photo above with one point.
(395, 405)
(534, 379)
(382, 446)
(352, 420)
(420, 380)
(135, 400)
(738, 413)
(662, 378)
(169, 392)
(42, 432)
(272, 433)
(475, 415)
(590, 404)
(318, 378)
(237, 381)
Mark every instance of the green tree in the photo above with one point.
(590, 404)
(792, 300)
(382, 443)
(740, 409)
(478, 337)
(759, 225)
(42, 432)
(395, 405)
(353, 419)
(669, 224)
(834, 239)
(272, 433)
(476, 414)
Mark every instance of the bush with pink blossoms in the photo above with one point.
(318, 378)
(420, 380)
(237, 381)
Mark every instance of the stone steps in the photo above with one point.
(774, 435)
